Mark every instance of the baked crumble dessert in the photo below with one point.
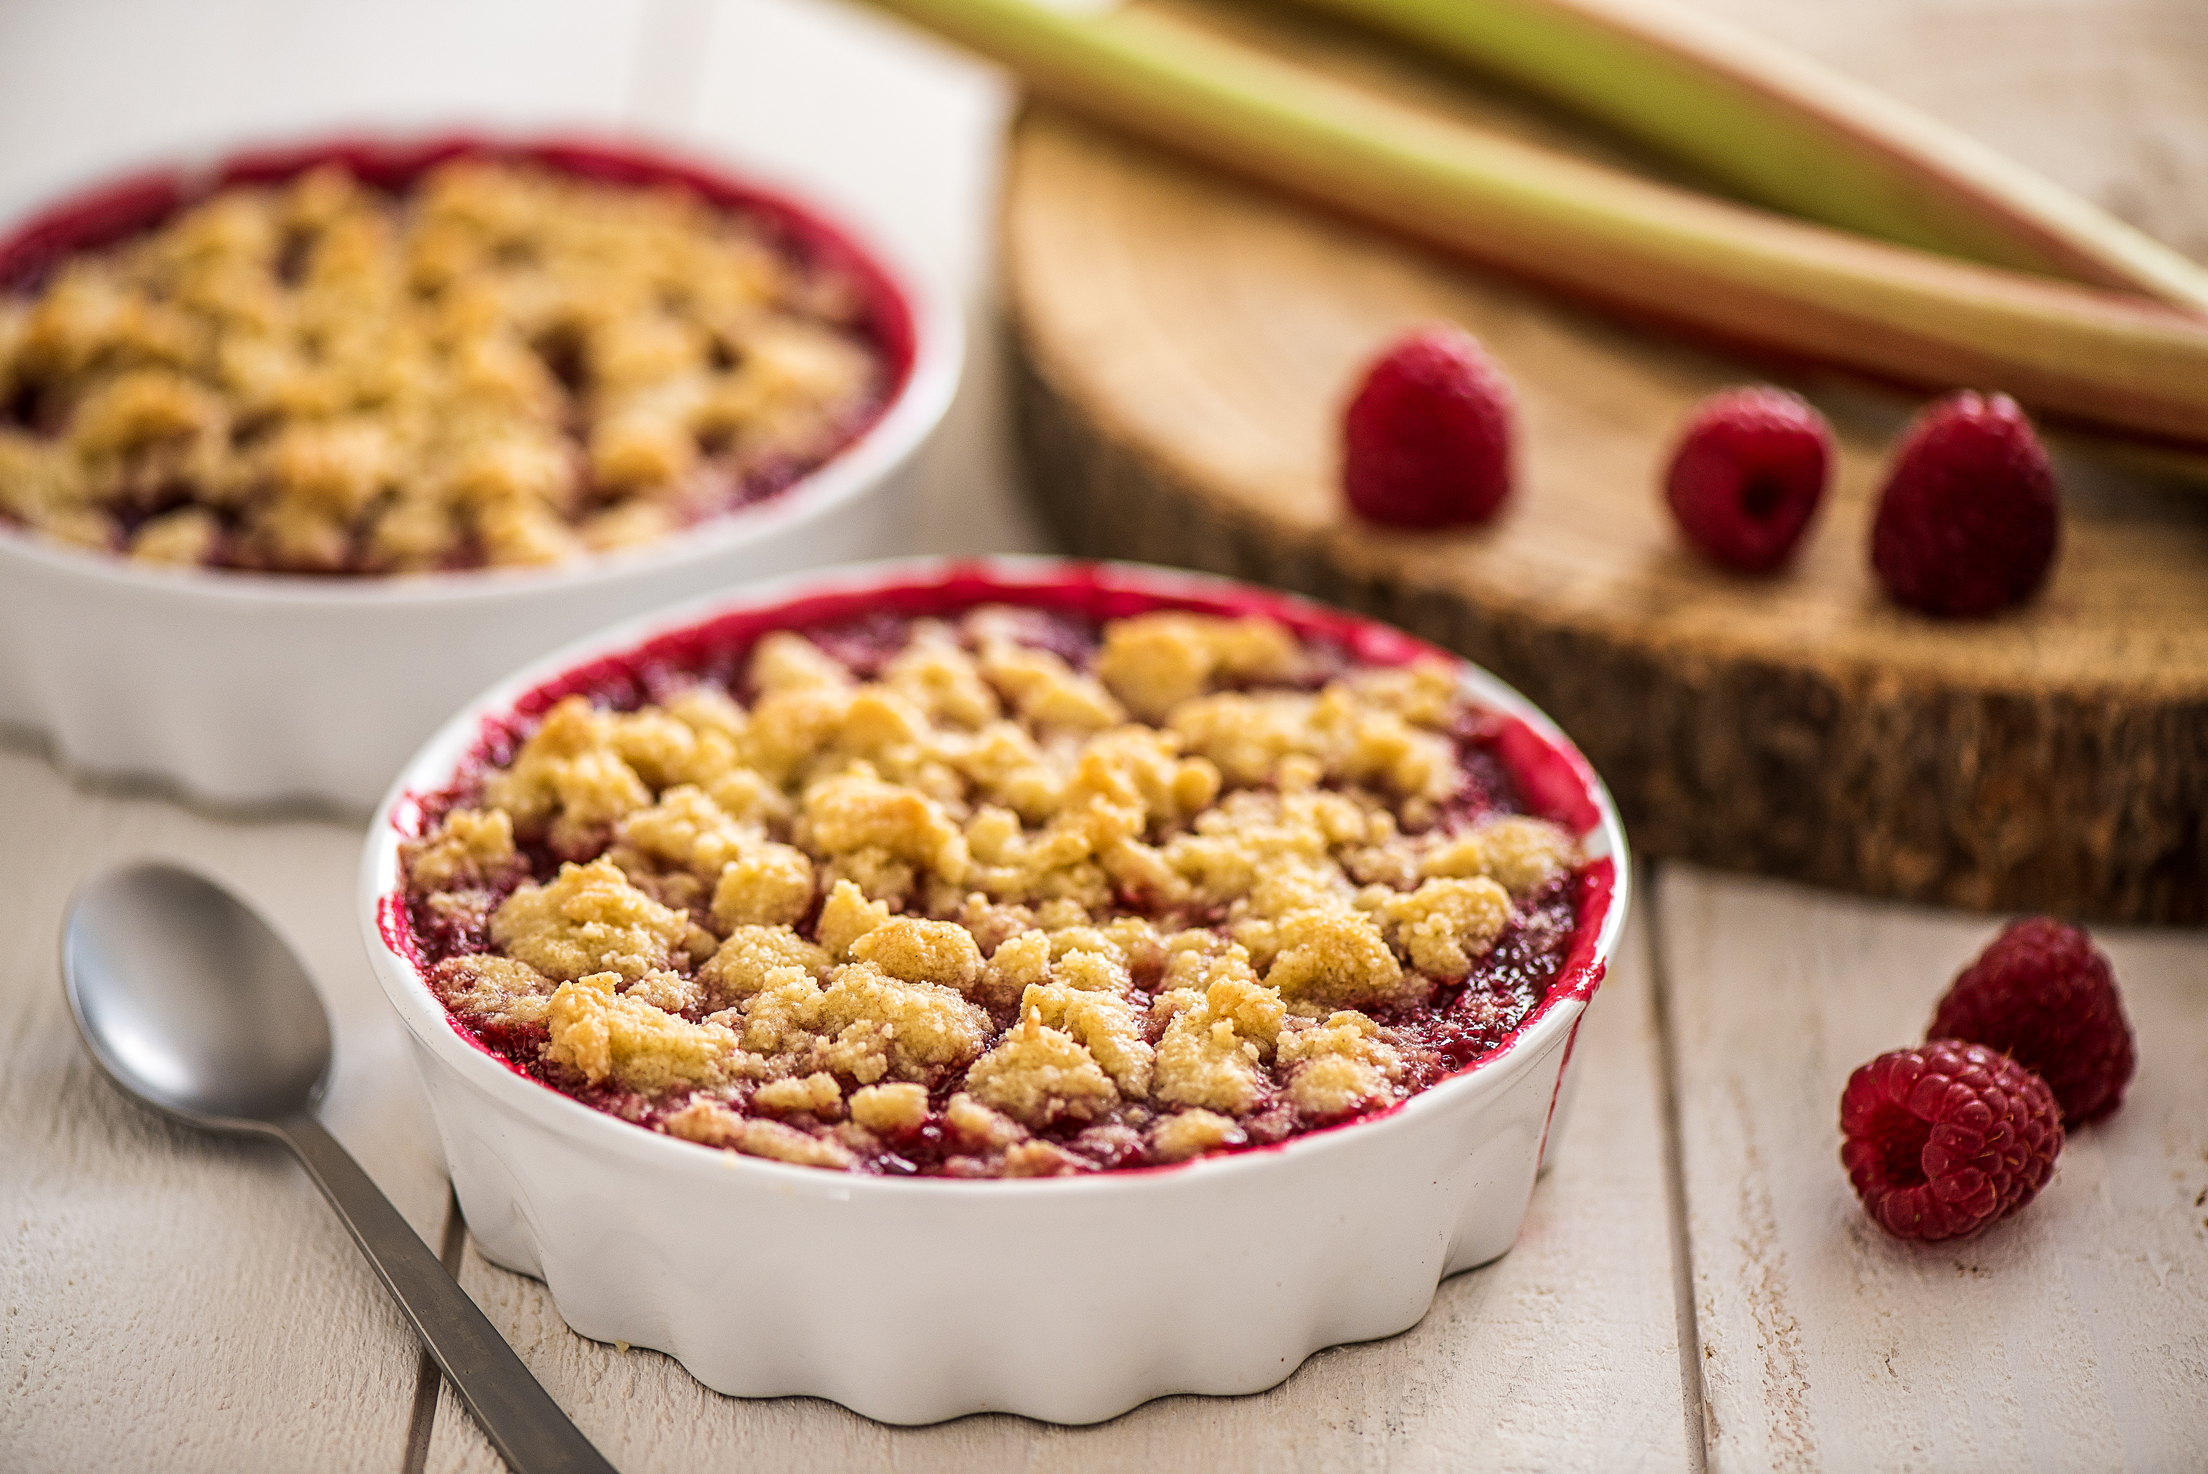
(494, 363)
(1016, 892)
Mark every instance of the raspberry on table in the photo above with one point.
(1941, 1140)
(1426, 440)
(1969, 518)
(2042, 994)
(1747, 476)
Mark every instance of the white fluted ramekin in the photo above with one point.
(251, 688)
(918, 1299)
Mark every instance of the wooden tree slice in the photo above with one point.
(1183, 345)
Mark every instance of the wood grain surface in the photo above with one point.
(173, 1300)
(1827, 1344)
(1185, 342)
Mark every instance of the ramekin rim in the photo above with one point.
(435, 762)
(938, 359)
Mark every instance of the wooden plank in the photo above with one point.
(1563, 1353)
(2072, 1336)
(174, 1301)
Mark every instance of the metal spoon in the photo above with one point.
(191, 1004)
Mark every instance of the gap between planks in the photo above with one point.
(1691, 1400)
(422, 1422)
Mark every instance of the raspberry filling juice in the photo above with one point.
(993, 890)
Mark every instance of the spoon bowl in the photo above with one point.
(190, 1002)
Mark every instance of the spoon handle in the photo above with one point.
(524, 1423)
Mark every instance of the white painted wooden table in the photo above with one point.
(1694, 1287)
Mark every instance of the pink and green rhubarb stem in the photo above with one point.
(1720, 269)
(1786, 132)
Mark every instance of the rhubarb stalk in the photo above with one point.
(1719, 268)
(1789, 133)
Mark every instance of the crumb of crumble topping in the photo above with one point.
(1046, 691)
(1216, 1041)
(772, 885)
(1331, 958)
(493, 990)
(816, 1094)
(1040, 1159)
(568, 771)
(1018, 964)
(918, 951)
(1039, 1075)
(589, 919)
(846, 916)
(789, 730)
(1154, 662)
(1520, 854)
(864, 1024)
(856, 811)
(501, 364)
(1339, 1066)
(893, 1109)
(1106, 1024)
(180, 539)
(471, 847)
(1445, 924)
(1192, 1133)
(602, 1034)
(688, 830)
(935, 674)
(874, 913)
(1250, 734)
(976, 1125)
(711, 1124)
(1088, 961)
(785, 662)
(739, 967)
(1424, 692)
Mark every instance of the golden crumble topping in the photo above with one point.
(999, 896)
(502, 365)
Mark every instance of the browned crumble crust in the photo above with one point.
(502, 366)
(992, 912)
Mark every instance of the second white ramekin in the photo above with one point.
(255, 688)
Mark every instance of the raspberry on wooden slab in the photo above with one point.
(1969, 518)
(1426, 441)
(1747, 476)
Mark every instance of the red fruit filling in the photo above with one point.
(1009, 893)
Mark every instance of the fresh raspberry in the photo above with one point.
(1748, 474)
(1943, 1139)
(2043, 996)
(1426, 442)
(1968, 521)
